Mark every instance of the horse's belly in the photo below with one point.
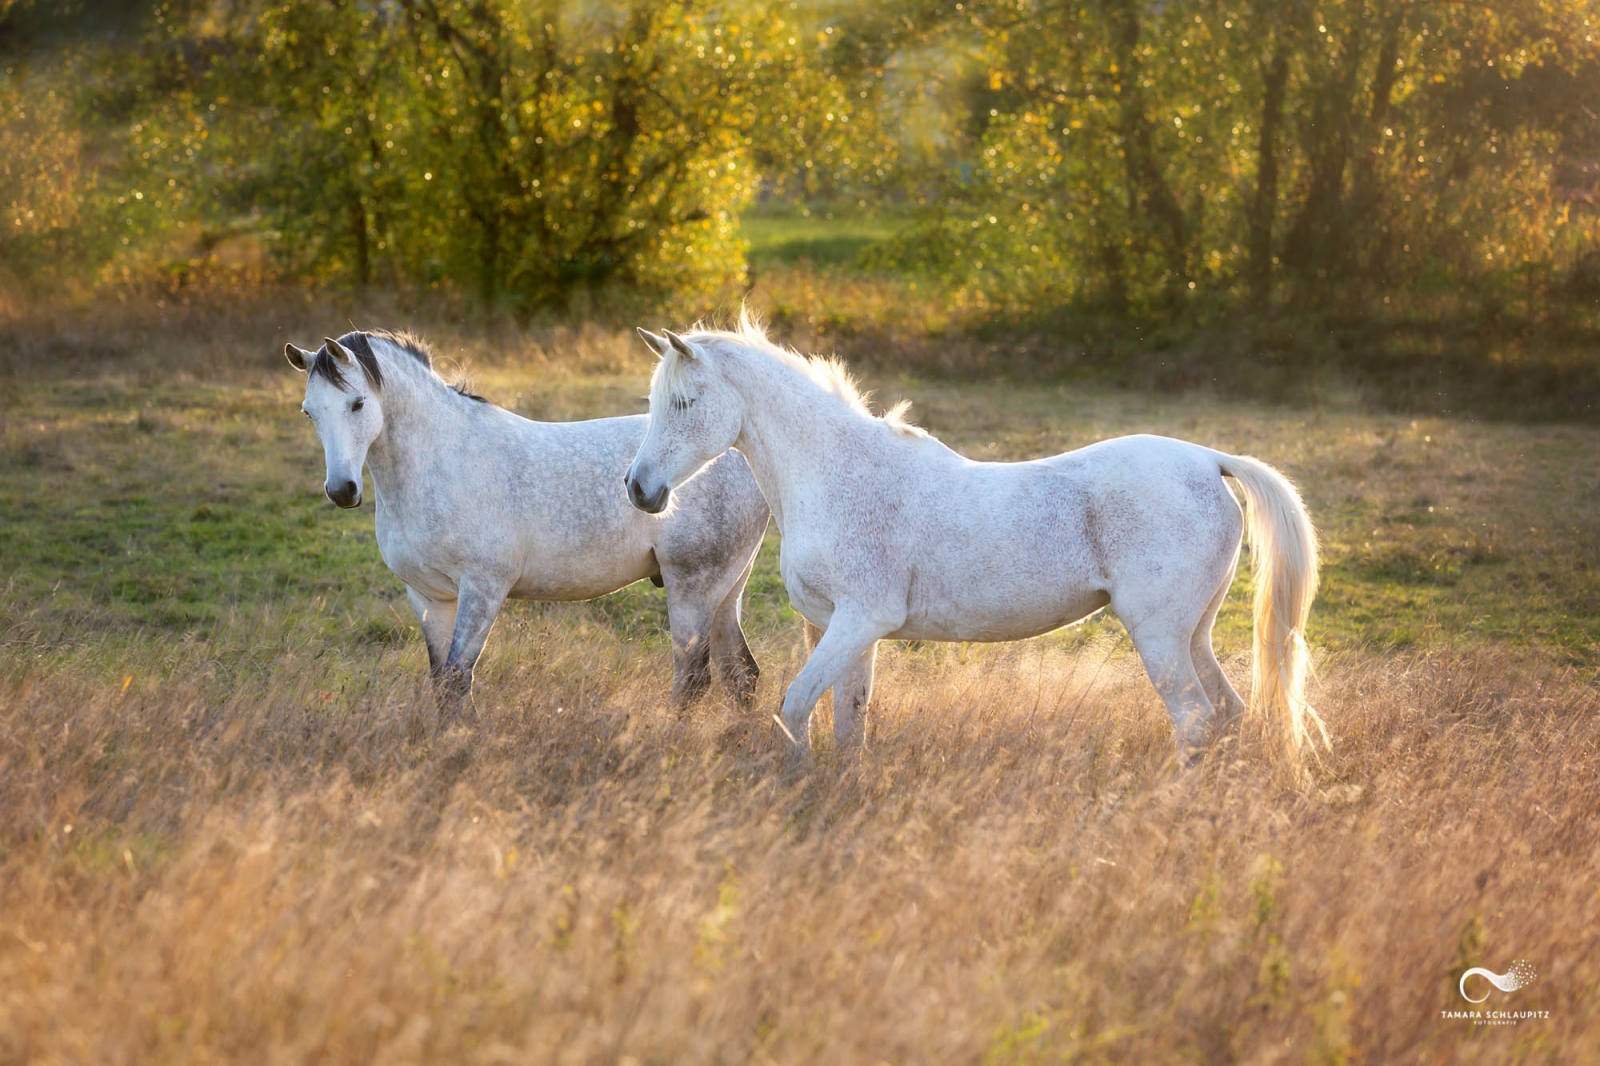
(584, 583)
(605, 561)
(1027, 614)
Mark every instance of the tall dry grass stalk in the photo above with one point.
(271, 870)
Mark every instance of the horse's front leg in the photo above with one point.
(851, 694)
(478, 604)
(850, 636)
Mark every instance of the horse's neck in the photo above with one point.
(420, 423)
(793, 430)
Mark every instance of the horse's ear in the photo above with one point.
(298, 357)
(338, 351)
(657, 343)
(681, 346)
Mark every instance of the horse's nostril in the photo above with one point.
(347, 494)
(652, 504)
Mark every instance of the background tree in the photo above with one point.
(1130, 156)
(526, 151)
(1133, 153)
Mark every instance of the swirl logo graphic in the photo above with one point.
(1520, 975)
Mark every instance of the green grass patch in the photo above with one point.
(826, 237)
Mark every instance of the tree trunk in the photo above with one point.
(358, 230)
(488, 256)
(1148, 190)
(1264, 209)
(1316, 241)
(1366, 185)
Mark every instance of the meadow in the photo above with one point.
(230, 832)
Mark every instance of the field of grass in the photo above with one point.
(227, 831)
(819, 236)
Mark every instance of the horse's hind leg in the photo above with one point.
(736, 666)
(1224, 697)
(1161, 618)
(1164, 650)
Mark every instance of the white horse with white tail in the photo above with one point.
(887, 533)
(476, 504)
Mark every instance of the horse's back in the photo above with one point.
(1145, 452)
(1143, 493)
(555, 450)
(564, 479)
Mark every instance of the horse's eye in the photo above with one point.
(356, 405)
(683, 404)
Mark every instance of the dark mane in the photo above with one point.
(327, 367)
(358, 344)
(410, 343)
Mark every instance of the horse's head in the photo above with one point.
(695, 416)
(342, 401)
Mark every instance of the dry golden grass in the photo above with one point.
(1014, 870)
(227, 832)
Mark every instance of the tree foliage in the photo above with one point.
(524, 150)
(42, 176)
(1132, 153)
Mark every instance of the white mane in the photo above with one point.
(826, 372)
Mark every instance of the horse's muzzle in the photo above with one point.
(650, 504)
(347, 495)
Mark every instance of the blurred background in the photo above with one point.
(1281, 199)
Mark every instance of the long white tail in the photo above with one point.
(1283, 559)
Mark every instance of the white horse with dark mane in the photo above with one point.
(476, 504)
(887, 533)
